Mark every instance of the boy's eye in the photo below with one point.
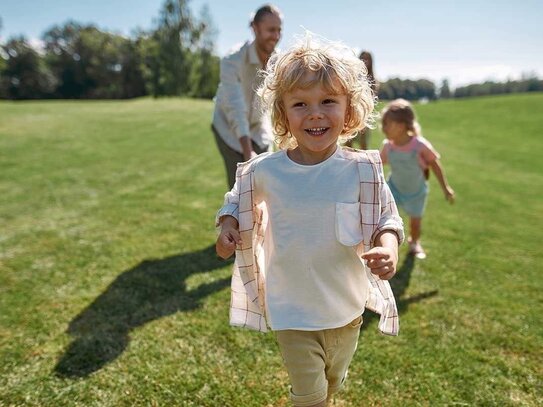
(327, 101)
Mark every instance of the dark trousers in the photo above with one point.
(231, 157)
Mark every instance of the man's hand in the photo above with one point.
(382, 262)
(253, 154)
(247, 148)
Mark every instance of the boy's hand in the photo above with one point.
(382, 262)
(227, 241)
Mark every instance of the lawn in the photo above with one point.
(111, 295)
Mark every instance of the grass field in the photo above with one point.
(111, 295)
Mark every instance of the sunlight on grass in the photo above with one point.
(111, 294)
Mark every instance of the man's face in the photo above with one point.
(267, 33)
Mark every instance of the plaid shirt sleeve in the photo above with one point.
(378, 213)
(389, 217)
(247, 287)
(230, 205)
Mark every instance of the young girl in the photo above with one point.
(303, 221)
(410, 155)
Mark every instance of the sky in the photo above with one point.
(463, 41)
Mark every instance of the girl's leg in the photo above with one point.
(415, 226)
(415, 247)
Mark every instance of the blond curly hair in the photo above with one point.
(331, 64)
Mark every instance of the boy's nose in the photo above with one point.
(315, 113)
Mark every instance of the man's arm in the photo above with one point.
(233, 103)
(247, 148)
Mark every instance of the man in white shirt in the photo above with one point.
(240, 129)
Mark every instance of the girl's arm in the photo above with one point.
(440, 175)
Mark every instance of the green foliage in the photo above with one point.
(110, 294)
(23, 74)
(81, 61)
(407, 89)
(205, 73)
(90, 63)
(445, 91)
(527, 84)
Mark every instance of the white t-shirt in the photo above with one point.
(313, 281)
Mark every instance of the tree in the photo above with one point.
(132, 79)
(24, 74)
(407, 89)
(444, 91)
(90, 63)
(205, 68)
(64, 58)
(3, 59)
(175, 35)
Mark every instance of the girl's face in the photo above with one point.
(395, 131)
(315, 118)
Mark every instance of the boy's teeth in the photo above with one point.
(316, 130)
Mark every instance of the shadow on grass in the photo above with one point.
(151, 290)
(399, 285)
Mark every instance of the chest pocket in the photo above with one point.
(348, 226)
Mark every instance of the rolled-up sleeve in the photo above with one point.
(230, 206)
(389, 218)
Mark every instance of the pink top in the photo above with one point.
(426, 152)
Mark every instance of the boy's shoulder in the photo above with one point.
(369, 156)
(253, 162)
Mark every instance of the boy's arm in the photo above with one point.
(440, 175)
(382, 259)
(227, 220)
(228, 237)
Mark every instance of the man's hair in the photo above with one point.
(333, 65)
(263, 11)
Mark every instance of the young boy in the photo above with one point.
(314, 226)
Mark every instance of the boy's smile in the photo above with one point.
(318, 131)
(316, 118)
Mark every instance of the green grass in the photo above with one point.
(110, 294)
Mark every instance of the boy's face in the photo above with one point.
(315, 118)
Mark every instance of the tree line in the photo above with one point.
(77, 61)
(174, 58)
(426, 89)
